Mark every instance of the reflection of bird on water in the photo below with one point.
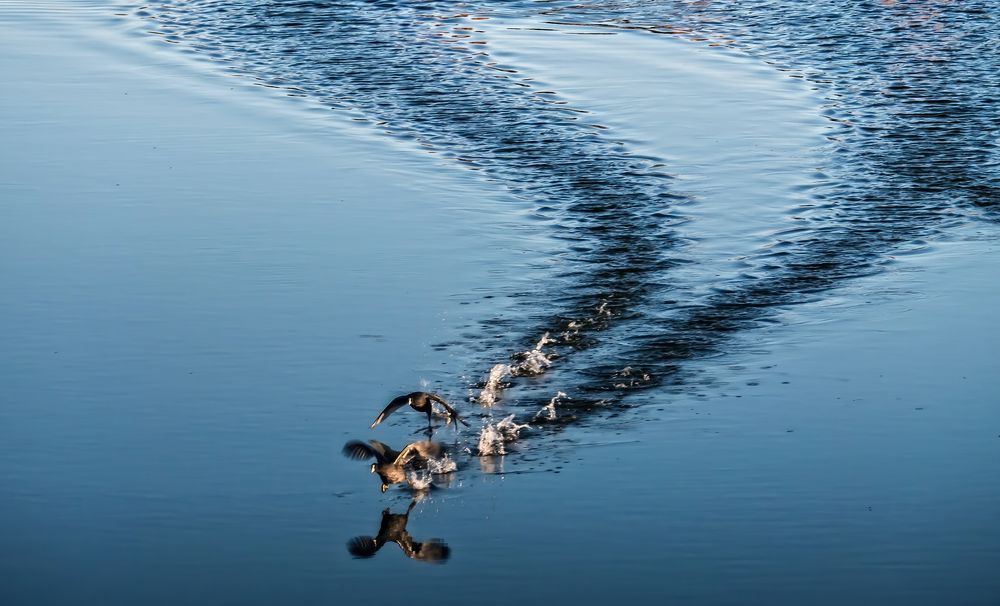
(390, 465)
(393, 530)
(420, 401)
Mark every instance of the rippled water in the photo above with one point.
(655, 189)
(907, 90)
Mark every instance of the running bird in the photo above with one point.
(390, 465)
(420, 401)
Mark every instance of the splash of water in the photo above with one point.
(441, 466)
(491, 442)
(420, 480)
(495, 436)
(534, 361)
(491, 391)
(424, 478)
(548, 412)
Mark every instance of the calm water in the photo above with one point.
(761, 238)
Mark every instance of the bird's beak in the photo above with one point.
(385, 487)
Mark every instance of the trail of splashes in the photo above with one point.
(494, 437)
(531, 363)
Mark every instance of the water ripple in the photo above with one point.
(910, 94)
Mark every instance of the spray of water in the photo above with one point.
(548, 412)
(442, 466)
(494, 385)
(534, 361)
(495, 436)
(424, 478)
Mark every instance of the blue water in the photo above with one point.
(762, 237)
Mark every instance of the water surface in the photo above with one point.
(763, 239)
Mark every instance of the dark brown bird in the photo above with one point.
(420, 401)
(390, 465)
(393, 530)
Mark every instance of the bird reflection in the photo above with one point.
(393, 530)
(396, 467)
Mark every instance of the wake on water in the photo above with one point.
(911, 151)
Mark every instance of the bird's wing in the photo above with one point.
(452, 413)
(359, 451)
(386, 454)
(407, 454)
(392, 407)
(424, 449)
